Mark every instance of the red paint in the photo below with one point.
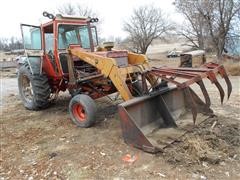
(54, 70)
(79, 112)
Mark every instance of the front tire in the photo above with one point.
(82, 109)
(34, 90)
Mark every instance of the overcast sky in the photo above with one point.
(112, 12)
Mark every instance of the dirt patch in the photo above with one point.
(206, 143)
(47, 145)
(8, 73)
(160, 59)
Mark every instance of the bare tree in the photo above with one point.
(68, 9)
(146, 24)
(194, 29)
(80, 10)
(76, 9)
(214, 20)
(12, 43)
(3, 43)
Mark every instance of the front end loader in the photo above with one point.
(159, 105)
(164, 107)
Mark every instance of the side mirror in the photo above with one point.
(46, 14)
(93, 20)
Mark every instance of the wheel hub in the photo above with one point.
(27, 89)
(79, 112)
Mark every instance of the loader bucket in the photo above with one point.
(154, 121)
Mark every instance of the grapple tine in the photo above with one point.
(144, 84)
(205, 93)
(214, 80)
(229, 85)
(224, 75)
(191, 102)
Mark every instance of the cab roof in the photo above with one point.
(65, 19)
(69, 17)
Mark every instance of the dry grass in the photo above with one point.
(198, 147)
(206, 147)
(232, 68)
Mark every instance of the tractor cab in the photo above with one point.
(50, 41)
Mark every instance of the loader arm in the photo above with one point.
(109, 68)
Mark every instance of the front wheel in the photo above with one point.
(82, 109)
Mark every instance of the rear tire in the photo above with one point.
(82, 109)
(34, 90)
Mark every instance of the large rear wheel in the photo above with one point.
(82, 109)
(34, 90)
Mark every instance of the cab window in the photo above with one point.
(73, 34)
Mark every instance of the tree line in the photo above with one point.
(8, 44)
(211, 25)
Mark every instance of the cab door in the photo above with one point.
(32, 41)
(31, 36)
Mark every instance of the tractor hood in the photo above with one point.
(112, 54)
(121, 57)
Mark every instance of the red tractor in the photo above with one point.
(62, 55)
(45, 70)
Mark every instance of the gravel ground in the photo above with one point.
(46, 145)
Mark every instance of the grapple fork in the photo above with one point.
(222, 72)
(195, 75)
(155, 120)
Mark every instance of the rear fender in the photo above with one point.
(34, 62)
(38, 64)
